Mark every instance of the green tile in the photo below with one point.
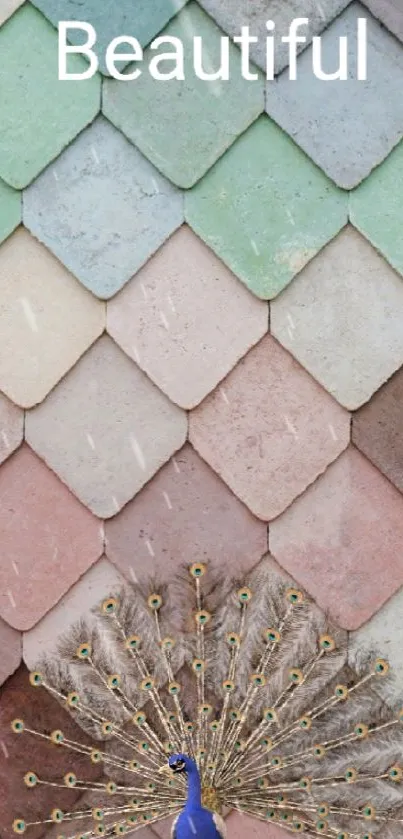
(376, 208)
(266, 209)
(39, 114)
(183, 127)
(10, 210)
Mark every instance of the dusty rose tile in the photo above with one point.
(10, 644)
(100, 581)
(39, 342)
(49, 539)
(378, 429)
(11, 427)
(117, 429)
(21, 753)
(185, 514)
(240, 826)
(343, 540)
(186, 349)
(270, 430)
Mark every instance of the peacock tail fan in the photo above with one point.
(248, 679)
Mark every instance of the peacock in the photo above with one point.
(206, 695)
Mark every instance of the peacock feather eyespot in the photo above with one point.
(168, 643)
(262, 783)
(206, 709)
(143, 746)
(72, 699)
(96, 756)
(294, 596)
(98, 814)
(322, 826)
(100, 830)
(396, 774)
(343, 835)
(198, 665)
(147, 683)
(234, 715)
(19, 826)
(107, 727)
(369, 812)
(351, 774)
(202, 617)
(323, 809)
(305, 783)
(239, 745)
(233, 639)
(36, 678)
(174, 688)
(319, 751)
(380, 667)
(341, 691)
(296, 675)
(189, 727)
(30, 779)
(70, 780)
(133, 642)
(111, 787)
(244, 595)
(57, 737)
(258, 680)
(270, 715)
(198, 569)
(139, 718)
(114, 681)
(327, 643)
(228, 685)
(151, 786)
(110, 606)
(214, 725)
(154, 601)
(361, 730)
(305, 723)
(272, 636)
(267, 743)
(286, 817)
(298, 827)
(120, 828)
(277, 761)
(281, 799)
(17, 726)
(57, 815)
(83, 652)
(270, 814)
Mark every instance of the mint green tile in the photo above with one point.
(266, 209)
(10, 210)
(39, 114)
(376, 208)
(183, 127)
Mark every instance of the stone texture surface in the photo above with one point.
(117, 429)
(21, 753)
(185, 508)
(389, 12)
(11, 427)
(350, 342)
(38, 546)
(10, 659)
(111, 19)
(376, 208)
(285, 429)
(38, 343)
(239, 826)
(378, 429)
(186, 349)
(188, 146)
(102, 183)
(341, 540)
(100, 581)
(39, 115)
(270, 220)
(382, 636)
(10, 210)
(231, 15)
(7, 8)
(333, 120)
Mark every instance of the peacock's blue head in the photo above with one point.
(182, 763)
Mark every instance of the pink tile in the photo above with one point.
(49, 539)
(245, 827)
(343, 540)
(11, 427)
(186, 349)
(185, 514)
(269, 430)
(10, 644)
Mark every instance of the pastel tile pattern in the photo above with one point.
(10, 210)
(111, 19)
(11, 643)
(38, 345)
(11, 427)
(39, 114)
(117, 427)
(185, 504)
(35, 543)
(102, 180)
(186, 349)
(188, 146)
(341, 540)
(333, 121)
(350, 343)
(269, 221)
(284, 430)
(378, 429)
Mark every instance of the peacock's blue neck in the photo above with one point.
(194, 788)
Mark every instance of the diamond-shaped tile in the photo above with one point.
(333, 120)
(231, 15)
(102, 208)
(342, 318)
(100, 581)
(184, 514)
(270, 430)
(46, 553)
(343, 539)
(186, 349)
(11, 427)
(8, 7)
(39, 114)
(200, 119)
(376, 208)
(240, 825)
(10, 642)
(389, 12)
(117, 429)
(21, 753)
(265, 209)
(110, 19)
(378, 429)
(47, 320)
(10, 210)
(382, 636)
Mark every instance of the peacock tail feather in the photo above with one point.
(247, 678)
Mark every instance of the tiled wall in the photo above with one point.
(201, 329)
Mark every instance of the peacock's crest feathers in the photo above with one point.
(251, 681)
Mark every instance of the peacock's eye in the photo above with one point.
(96, 756)
(305, 783)
(341, 691)
(19, 826)
(321, 826)
(351, 774)
(155, 602)
(270, 814)
(133, 642)
(107, 727)
(174, 688)
(36, 679)
(277, 762)
(396, 774)
(98, 814)
(70, 779)
(84, 651)
(369, 812)
(202, 617)
(228, 685)
(214, 725)
(327, 643)
(18, 727)
(147, 684)
(270, 715)
(57, 737)
(296, 675)
(168, 643)
(272, 636)
(198, 665)
(258, 680)
(319, 751)
(111, 787)
(110, 606)
(30, 779)
(114, 681)
(206, 709)
(197, 569)
(234, 715)
(323, 809)
(244, 595)
(305, 723)
(361, 730)
(380, 667)
(100, 830)
(57, 815)
(233, 639)
(72, 699)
